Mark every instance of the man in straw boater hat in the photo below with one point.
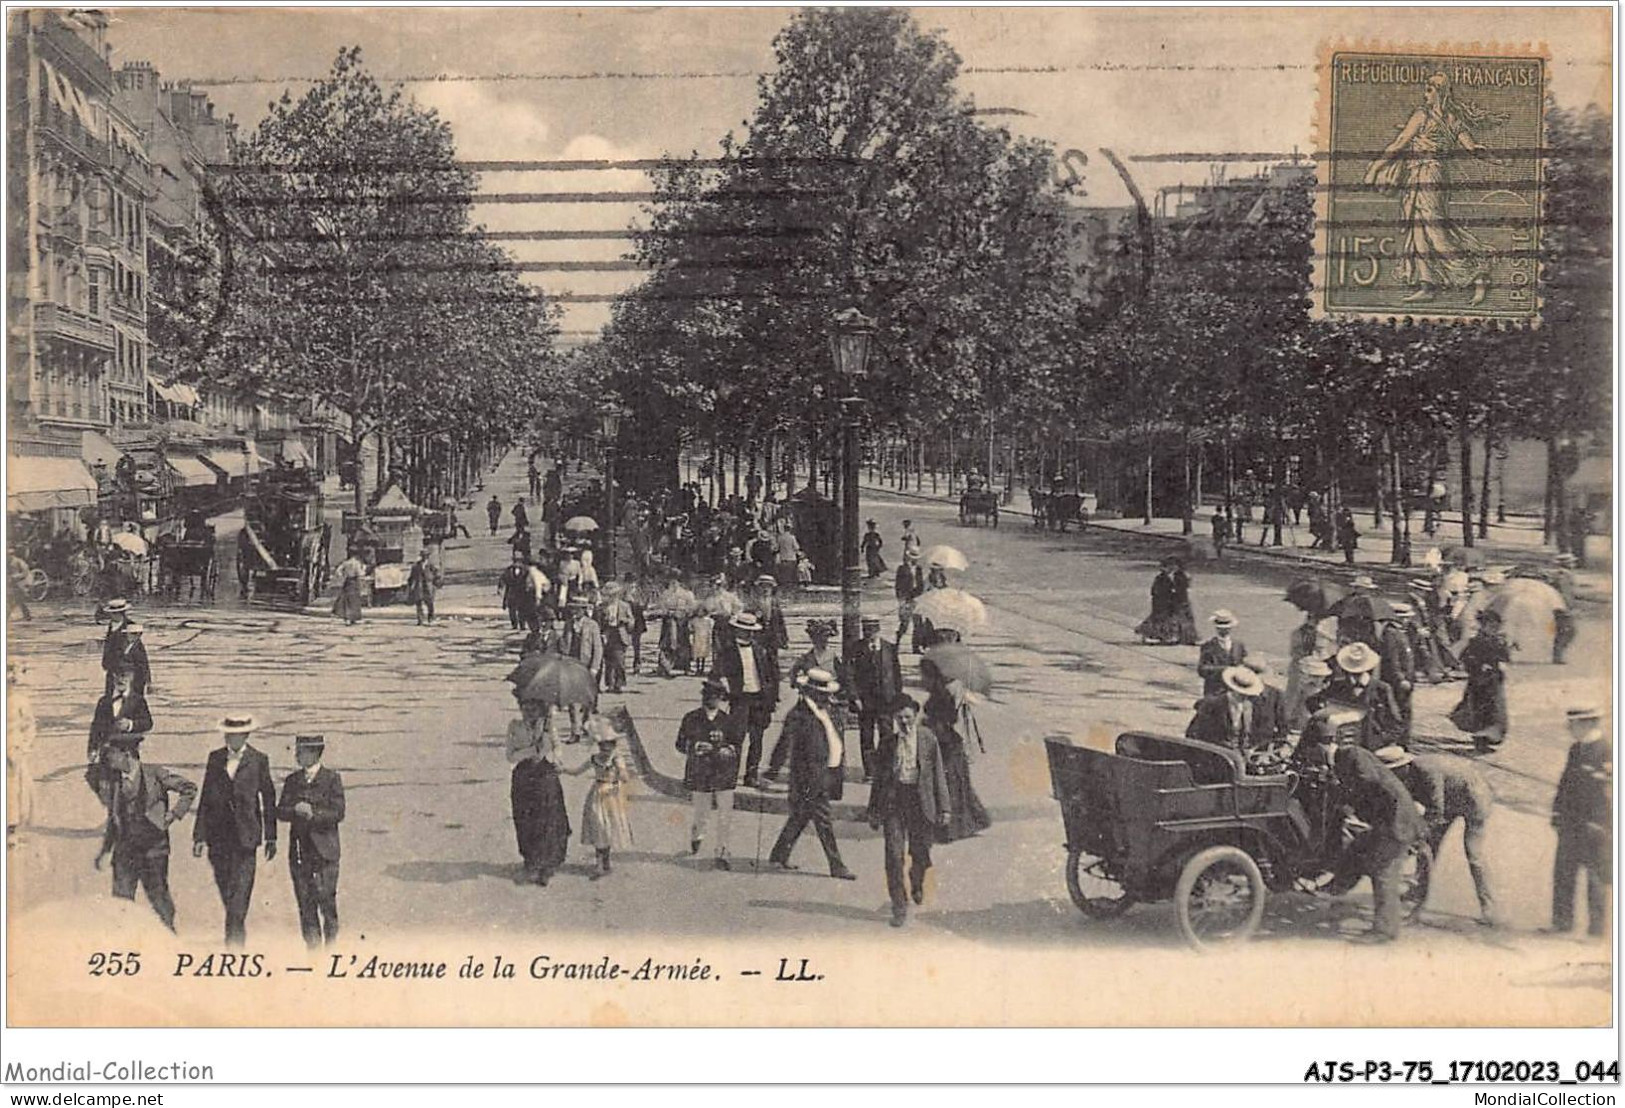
(1583, 814)
(1449, 788)
(312, 806)
(815, 773)
(236, 812)
(1231, 718)
(122, 645)
(136, 796)
(750, 673)
(1356, 685)
(1220, 652)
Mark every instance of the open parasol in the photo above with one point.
(558, 680)
(946, 557)
(1528, 609)
(958, 662)
(131, 543)
(952, 610)
(580, 524)
(1314, 597)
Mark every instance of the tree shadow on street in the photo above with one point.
(824, 909)
(450, 873)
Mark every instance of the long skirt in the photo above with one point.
(540, 821)
(347, 606)
(968, 816)
(1483, 709)
(603, 817)
(1169, 627)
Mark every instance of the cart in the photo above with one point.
(283, 549)
(389, 543)
(979, 504)
(1165, 818)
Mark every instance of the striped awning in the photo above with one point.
(40, 484)
(233, 463)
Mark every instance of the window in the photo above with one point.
(93, 294)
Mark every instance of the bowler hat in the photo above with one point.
(310, 742)
(870, 621)
(1357, 657)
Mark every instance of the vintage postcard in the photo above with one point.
(802, 517)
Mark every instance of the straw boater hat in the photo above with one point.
(1364, 581)
(1394, 756)
(1312, 666)
(1357, 657)
(745, 621)
(238, 725)
(1240, 679)
(310, 742)
(1422, 584)
(1583, 711)
(133, 629)
(1494, 577)
(1223, 618)
(1401, 610)
(821, 681)
(116, 605)
(766, 579)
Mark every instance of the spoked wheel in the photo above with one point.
(1414, 880)
(1219, 897)
(1093, 890)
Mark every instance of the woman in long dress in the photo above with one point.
(1436, 252)
(1162, 625)
(950, 718)
(1482, 712)
(540, 821)
(347, 605)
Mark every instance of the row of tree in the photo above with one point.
(341, 263)
(863, 177)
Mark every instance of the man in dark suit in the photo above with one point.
(1355, 685)
(235, 813)
(1383, 803)
(312, 806)
(123, 711)
(122, 646)
(1583, 814)
(1399, 658)
(1232, 718)
(136, 796)
(751, 674)
(815, 773)
(908, 586)
(909, 801)
(877, 678)
(709, 737)
(1219, 653)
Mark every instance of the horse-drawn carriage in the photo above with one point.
(1054, 510)
(283, 548)
(1171, 818)
(978, 503)
(189, 560)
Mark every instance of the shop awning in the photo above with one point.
(233, 463)
(184, 395)
(192, 472)
(295, 454)
(255, 462)
(40, 484)
(97, 451)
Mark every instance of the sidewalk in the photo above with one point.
(1511, 543)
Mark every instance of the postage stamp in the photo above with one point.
(1430, 175)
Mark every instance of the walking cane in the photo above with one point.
(756, 866)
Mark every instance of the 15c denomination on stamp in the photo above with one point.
(1429, 198)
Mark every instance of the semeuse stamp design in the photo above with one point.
(1429, 199)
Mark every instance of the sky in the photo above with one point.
(550, 84)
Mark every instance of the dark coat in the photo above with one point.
(1398, 657)
(1377, 796)
(877, 675)
(810, 774)
(726, 667)
(120, 647)
(423, 581)
(712, 746)
(1585, 792)
(1211, 724)
(1215, 659)
(1448, 788)
(910, 581)
(932, 784)
(319, 834)
(104, 722)
(240, 812)
(1384, 722)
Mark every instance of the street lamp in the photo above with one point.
(610, 424)
(849, 346)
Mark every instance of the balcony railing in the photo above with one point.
(56, 321)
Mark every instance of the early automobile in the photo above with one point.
(1163, 818)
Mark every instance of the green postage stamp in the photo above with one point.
(1429, 198)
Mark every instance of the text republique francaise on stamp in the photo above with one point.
(1429, 197)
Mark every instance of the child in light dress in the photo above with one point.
(604, 824)
(701, 626)
(804, 570)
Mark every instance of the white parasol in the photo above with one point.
(952, 610)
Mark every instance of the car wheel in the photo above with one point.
(1095, 892)
(1219, 898)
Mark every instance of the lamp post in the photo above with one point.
(849, 345)
(610, 425)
